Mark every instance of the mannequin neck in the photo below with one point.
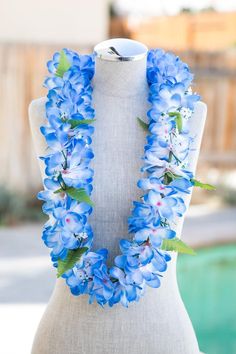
(120, 79)
(120, 68)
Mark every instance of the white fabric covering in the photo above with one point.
(159, 323)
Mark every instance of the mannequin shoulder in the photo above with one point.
(200, 110)
(37, 110)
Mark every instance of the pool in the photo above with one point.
(211, 298)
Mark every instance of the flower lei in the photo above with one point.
(68, 182)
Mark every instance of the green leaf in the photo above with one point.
(73, 256)
(206, 186)
(75, 123)
(178, 120)
(63, 64)
(79, 194)
(169, 177)
(143, 124)
(60, 190)
(176, 245)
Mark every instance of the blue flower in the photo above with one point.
(154, 236)
(166, 98)
(83, 132)
(153, 183)
(80, 278)
(163, 127)
(123, 292)
(72, 216)
(142, 216)
(156, 149)
(180, 185)
(158, 167)
(59, 240)
(102, 286)
(164, 206)
(58, 139)
(51, 198)
(166, 67)
(84, 62)
(77, 173)
(134, 255)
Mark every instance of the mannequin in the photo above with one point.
(159, 323)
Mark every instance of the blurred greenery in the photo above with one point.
(16, 207)
(227, 194)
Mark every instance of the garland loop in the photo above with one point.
(68, 182)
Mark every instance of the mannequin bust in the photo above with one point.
(159, 323)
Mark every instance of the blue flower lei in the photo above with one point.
(68, 182)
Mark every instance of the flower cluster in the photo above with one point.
(67, 163)
(68, 182)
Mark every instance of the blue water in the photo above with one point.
(207, 283)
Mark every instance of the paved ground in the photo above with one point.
(27, 278)
(205, 226)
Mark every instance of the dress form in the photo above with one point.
(159, 322)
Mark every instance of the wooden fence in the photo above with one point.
(215, 80)
(22, 70)
(202, 31)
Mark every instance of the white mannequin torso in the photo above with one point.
(159, 322)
